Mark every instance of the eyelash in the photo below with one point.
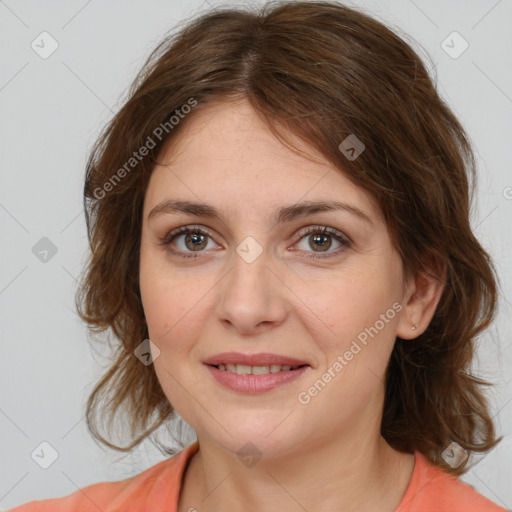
(324, 230)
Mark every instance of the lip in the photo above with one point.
(255, 384)
(260, 359)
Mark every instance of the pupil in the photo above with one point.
(320, 237)
(196, 240)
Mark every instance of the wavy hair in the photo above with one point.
(323, 71)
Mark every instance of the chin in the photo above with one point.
(251, 446)
(255, 436)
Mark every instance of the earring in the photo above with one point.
(413, 327)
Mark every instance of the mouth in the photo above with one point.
(256, 364)
(255, 373)
(245, 369)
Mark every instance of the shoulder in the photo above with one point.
(432, 489)
(157, 486)
(101, 496)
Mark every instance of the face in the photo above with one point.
(321, 287)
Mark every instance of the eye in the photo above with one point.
(194, 240)
(193, 243)
(320, 237)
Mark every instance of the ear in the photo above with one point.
(421, 298)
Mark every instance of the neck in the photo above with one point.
(349, 474)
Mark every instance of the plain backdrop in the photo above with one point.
(51, 111)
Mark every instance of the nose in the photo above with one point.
(253, 295)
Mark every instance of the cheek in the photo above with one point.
(170, 299)
(359, 316)
(169, 313)
(347, 304)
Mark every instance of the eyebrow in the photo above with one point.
(282, 214)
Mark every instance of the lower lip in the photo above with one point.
(253, 384)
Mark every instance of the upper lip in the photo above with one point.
(261, 359)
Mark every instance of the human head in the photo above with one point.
(321, 71)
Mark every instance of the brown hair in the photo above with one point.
(323, 71)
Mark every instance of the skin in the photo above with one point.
(327, 454)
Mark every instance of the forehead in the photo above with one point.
(226, 155)
(232, 131)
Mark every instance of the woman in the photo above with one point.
(280, 235)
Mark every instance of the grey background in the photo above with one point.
(51, 111)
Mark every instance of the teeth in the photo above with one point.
(244, 369)
(260, 370)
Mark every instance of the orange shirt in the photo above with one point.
(157, 489)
